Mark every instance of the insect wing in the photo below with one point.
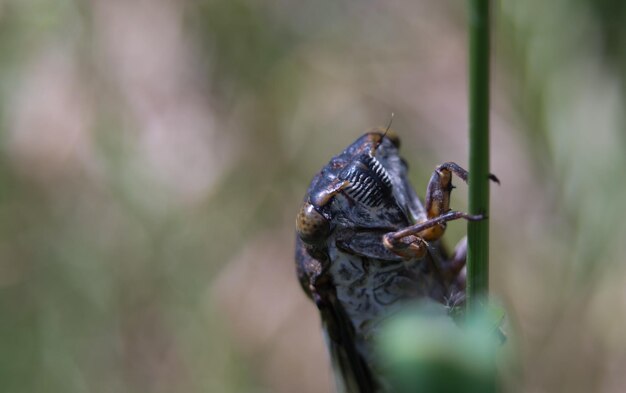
(352, 374)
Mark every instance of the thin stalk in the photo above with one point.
(478, 232)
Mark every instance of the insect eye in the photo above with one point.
(394, 138)
(311, 225)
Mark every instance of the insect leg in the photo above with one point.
(438, 196)
(419, 228)
(455, 267)
(410, 241)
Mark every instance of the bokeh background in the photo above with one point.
(153, 154)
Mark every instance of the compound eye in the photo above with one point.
(394, 138)
(311, 225)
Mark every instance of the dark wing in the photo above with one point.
(352, 373)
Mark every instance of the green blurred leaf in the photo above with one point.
(423, 349)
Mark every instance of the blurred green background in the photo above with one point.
(153, 155)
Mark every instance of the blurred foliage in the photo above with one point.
(153, 153)
(422, 349)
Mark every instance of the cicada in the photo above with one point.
(366, 244)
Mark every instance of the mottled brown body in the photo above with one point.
(365, 244)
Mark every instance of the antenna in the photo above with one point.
(385, 133)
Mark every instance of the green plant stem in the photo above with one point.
(478, 232)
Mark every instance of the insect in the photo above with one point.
(366, 243)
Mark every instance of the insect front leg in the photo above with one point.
(410, 241)
(412, 237)
(438, 194)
